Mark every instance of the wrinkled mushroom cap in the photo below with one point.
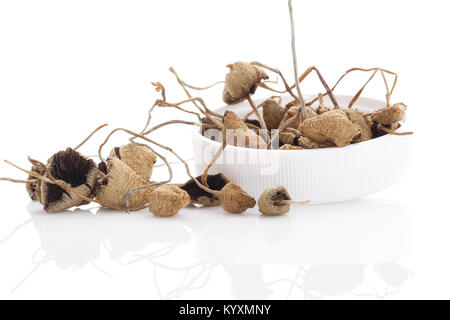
(332, 126)
(361, 122)
(306, 143)
(120, 179)
(238, 134)
(241, 81)
(286, 137)
(266, 202)
(273, 113)
(76, 170)
(137, 157)
(200, 196)
(167, 200)
(34, 188)
(235, 200)
(290, 147)
(292, 111)
(391, 115)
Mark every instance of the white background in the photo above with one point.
(68, 66)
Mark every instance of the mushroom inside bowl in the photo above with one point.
(324, 175)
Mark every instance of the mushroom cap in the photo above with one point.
(200, 196)
(292, 111)
(266, 202)
(241, 81)
(306, 143)
(235, 200)
(286, 137)
(34, 188)
(119, 180)
(389, 115)
(332, 126)
(361, 122)
(167, 200)
(290, 147)
(74, 169)
(273, 113)
(138, 158)
(238, 134)
(322, 109)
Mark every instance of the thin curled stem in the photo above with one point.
(258, 115)
(286, 85)
(213, 161)
(302, 108)
(183, 85)
(395, 133)
(190, 123)
(259, 106)
(18, 180)
(285, 202)
(90, 136)
(137, 135)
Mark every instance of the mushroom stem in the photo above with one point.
(137, 135)
(245, 118)
(260, 118)
(89, 136)
(194, 101)
(286, 85)
(302, 108)
(198, 124)
(18, 181)
(390, 131)
(287, 202)
(213, 160)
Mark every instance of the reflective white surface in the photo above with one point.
(355, 249)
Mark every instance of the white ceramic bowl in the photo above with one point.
(323, 175)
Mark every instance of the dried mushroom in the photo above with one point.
(276, 201)
(167, 200)
(74, 169)
(202, 197)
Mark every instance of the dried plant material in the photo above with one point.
(290, 147)
(253, 124)
(235, 200)
(287, 137)
(202, 197)
(34, 187)
(238, 134)
(79, 172)
(242, 81)
(321, 108)
(276, 201)
(273, 113)
(167, 200)
(138, 158)
(306, 143)
(361, 122)
(330, 126)
(384, 129)
(291, 113)
(50, 179)
(119, 180)
(389, 115)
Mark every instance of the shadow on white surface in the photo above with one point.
(314, 252)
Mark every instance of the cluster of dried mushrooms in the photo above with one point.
(122, 181)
